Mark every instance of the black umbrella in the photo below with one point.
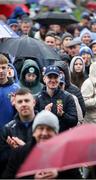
(28, 47)
(55, 18)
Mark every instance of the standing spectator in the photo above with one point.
(85, 20)
(7, 86)
(57, 29)
(93, 25)
(77, 68)
(50, 40)
(93, 48)
(13, 23)
(53, 99)
(66, 38)
(78, 108)
(30, 77)
(25, 26)
(20, 128)
(86, 36)
(71, 88)
(87, 56)
(12, 73)
(45, 126)
(41, 33)
(73, 47)
(88, 90)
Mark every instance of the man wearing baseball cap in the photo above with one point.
(55, 100)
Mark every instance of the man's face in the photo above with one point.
(86, 39)
(25, 27)
(30, 77)
(43, 132)
(3, 72)
(73, 50)
(24, 105)
(52, 81)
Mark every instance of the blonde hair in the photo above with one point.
(3, 59)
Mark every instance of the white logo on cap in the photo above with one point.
(31, 70)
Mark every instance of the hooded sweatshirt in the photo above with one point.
(7, 111)
(15, 78)
(88, 90)
(69, 86)
(35, 86)
(77, 78)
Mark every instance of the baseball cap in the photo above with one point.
(74, 42)
(52, 70)
(85, 15)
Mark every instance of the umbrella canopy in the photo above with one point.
(32, 1)
(55, 3)
(12, 1)
(71, 149)
(6, 31)
(7, 9)
(55, 18)
(91, 5)
(29, 47)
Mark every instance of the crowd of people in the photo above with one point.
(37, 104)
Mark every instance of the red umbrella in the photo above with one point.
(71, 149)
(7, 9)
(91, 5)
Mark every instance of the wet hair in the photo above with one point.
(23, 91)
(58, 37)
(3, 59)
(50, 33)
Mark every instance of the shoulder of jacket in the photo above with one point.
(11, 123)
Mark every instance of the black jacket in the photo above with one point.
(69, 86)
(69, 118)
(18, 157)
(13, 128)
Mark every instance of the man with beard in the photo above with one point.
(55, 100)
(30, 76)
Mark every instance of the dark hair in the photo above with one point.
(50, 33)
(23, 91)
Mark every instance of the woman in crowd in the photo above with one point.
(77, 69)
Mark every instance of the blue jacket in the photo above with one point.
(7, 111)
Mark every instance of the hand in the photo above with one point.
(15, 142)
(49, 107)
(60, 111)
(46, 174)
